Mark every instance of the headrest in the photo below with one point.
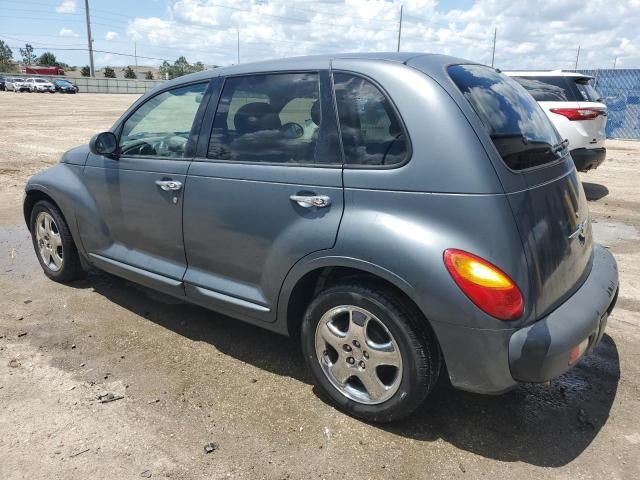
(316, 116)
(257, 116)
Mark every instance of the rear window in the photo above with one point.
(520, 130)
(559, 88)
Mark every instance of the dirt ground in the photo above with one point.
(189, 377)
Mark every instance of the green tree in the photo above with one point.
(180, 67)
(129, 73)
(6, 58)
(148, 75)
(28, 56)
(48, 59)
(109, 72)
(85, 71)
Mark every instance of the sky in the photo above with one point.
(541, 34)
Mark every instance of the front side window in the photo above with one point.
(161, 126)
(268, 118)
(371, 131)
(520, 130)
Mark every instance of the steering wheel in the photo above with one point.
(292, 130)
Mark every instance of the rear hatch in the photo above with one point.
(572, 102)
(541, 183)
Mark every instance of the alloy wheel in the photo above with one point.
(358, 354)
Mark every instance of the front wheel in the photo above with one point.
(370, 352)
(53, 243)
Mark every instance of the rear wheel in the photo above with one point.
(53, 243)
(372, 354)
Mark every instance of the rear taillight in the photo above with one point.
(578, 113)
(485, 284)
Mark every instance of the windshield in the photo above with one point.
(520, 130)
(39, 80)
(18, 79)
(64, 83)
(587, 91)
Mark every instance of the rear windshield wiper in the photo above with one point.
(560, 146)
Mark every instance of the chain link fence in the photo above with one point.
(620, 91)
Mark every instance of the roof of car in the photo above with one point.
(428, 61)
(544, 73)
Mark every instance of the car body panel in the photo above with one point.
(233, 241)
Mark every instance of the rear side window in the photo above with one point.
(520, 130)
(371, 131)
(271, 118)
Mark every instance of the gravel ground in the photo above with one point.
(188, 377)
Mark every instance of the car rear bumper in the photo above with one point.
(588, 158)
(542, 351)
(495, 361)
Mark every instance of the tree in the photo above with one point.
(129, 73)
(85, 71)
(148, 75)
(6, 58)
(48, 59)
(109, 72)
(28, 56)
(180, 67)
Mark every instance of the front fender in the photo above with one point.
(63, 184)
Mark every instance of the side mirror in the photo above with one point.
(104, 143)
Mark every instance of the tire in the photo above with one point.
(394, 333)
(53, 244)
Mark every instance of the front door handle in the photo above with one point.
(308, 201)
(169, 185)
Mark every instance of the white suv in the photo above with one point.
(40, 85)
(574, 107)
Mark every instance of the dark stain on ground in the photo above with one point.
(595, 191)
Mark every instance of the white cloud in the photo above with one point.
(67, 32)
(546, 36)
(111, 36)
(67, 6)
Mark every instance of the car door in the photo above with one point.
(137, 229)
(265, 191)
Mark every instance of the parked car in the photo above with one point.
(40, 85)
(16, 84)
(65, 86)
(2, 83)
(436, 220)
(576, 110)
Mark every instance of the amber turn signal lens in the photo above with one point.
(485, 284)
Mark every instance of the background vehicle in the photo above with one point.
(2, 83)
(40, 85)
(576, 110)
(34, 70)
(16, 84)
(65, 86)
(359, 232)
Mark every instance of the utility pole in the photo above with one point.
(238, 47)
(400, 28)
(493, 52)
(135, 54)
(615, 60)
(89, 39)
(577, 57)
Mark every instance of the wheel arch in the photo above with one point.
(305, 281)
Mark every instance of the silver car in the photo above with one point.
(405, 216)
(16, 84)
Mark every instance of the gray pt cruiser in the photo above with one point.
(403, 215)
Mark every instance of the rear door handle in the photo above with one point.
(308, 201)
(169, 185)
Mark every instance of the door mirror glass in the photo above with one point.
(104, 143)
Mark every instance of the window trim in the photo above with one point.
(216, 101)
(403, 125)
(192, 141)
